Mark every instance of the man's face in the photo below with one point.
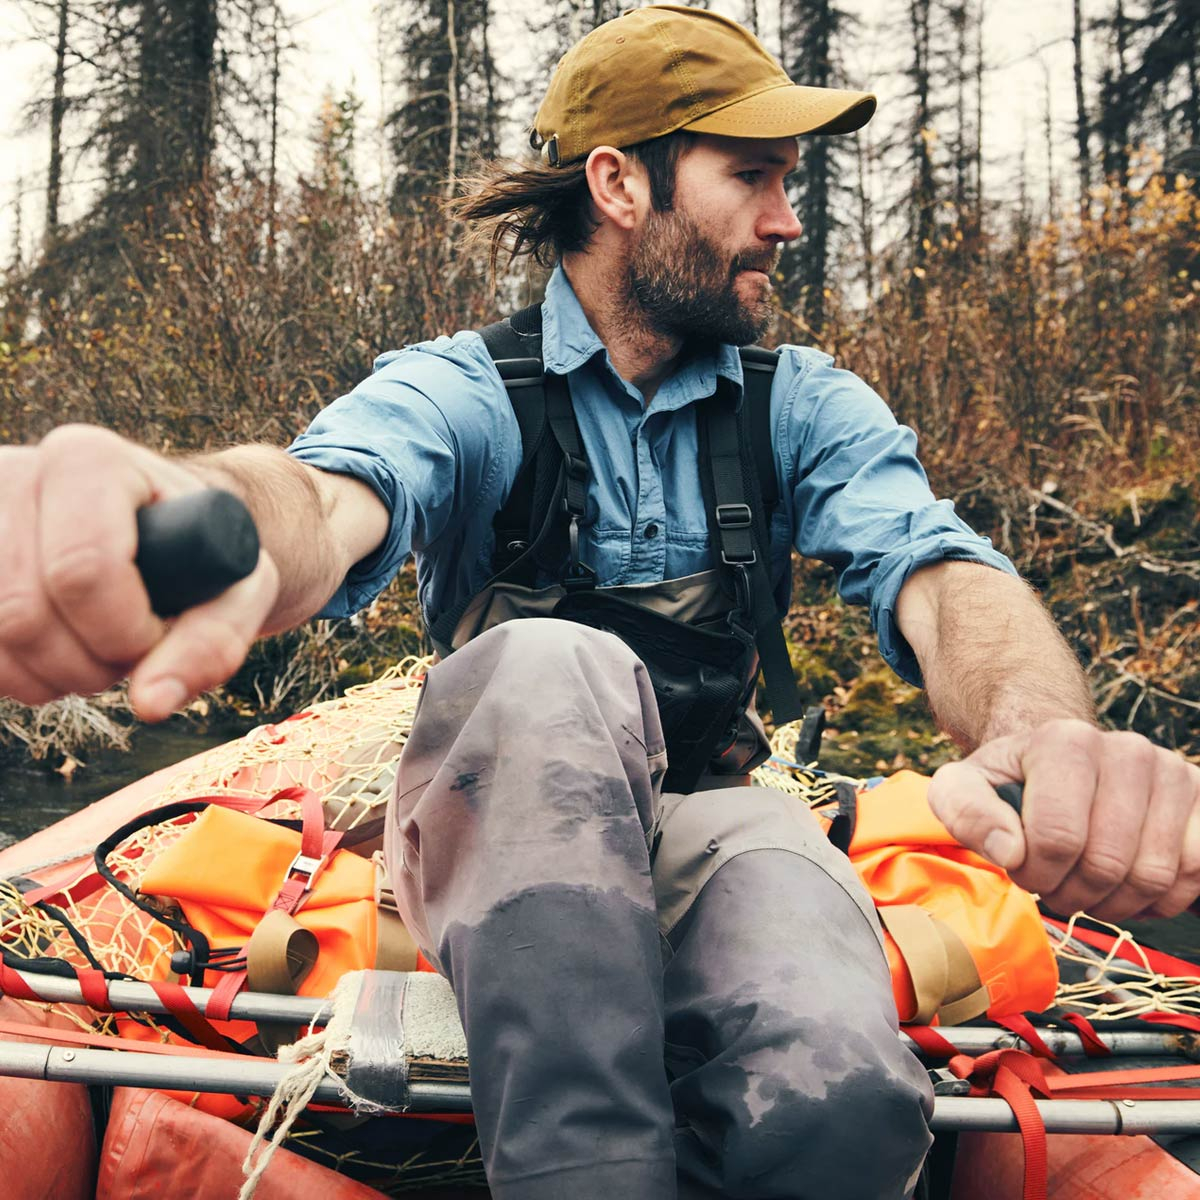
(702, 270)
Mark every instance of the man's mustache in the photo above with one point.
(762, 260)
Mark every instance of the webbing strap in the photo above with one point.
(103, 1041)
(280, 954)
(1024, 1029)
(194, 1023)
(732, 494)
(11, 984)
(1093, 1047)
(945, 980)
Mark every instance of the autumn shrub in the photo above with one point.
(1050, 373)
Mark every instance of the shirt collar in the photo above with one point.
(568, 342)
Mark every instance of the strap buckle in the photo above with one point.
(307, 868)
(734, 516)
(577, 468)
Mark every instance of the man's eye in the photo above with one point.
(750, 176)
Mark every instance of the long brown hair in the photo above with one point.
(533, 208)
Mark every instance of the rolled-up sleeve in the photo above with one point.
(861, 501)
(427, 434)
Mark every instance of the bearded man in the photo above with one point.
(586, 918)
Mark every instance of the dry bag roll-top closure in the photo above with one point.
(704, 666)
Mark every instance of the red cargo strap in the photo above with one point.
(18, 1030)
(11, 984)
(179, 1005)
(1024, 1029)
(929, 1041)
(1093, 1047)
(94, 988)
(1014, 1077)
(316, 845)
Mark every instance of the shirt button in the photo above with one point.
(651, 530)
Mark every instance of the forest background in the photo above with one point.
(185, 287)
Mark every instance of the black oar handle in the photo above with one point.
(191, 549)
(1012, 794)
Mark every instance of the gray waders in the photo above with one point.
(662, 995)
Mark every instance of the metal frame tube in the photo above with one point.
(302, 1010)
(255, 1077)
(983, 1114)
(259, 1078)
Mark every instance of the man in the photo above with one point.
(584, 919)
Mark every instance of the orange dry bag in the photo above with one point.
(961, 937)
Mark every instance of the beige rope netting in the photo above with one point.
(346, 750)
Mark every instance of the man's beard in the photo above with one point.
(685, 286)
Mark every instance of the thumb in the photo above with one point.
(963, 797)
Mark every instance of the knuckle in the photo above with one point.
(1102, 869)
(22, 618)
(1133, 748)
(1152, 879)
(76, 572)
(1056, 841)
(1075, 737)
(70, 440)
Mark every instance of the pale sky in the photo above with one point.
(1027, 40)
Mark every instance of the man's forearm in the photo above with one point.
(994, 662)
(302, 523)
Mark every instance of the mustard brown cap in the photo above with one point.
(665, 67)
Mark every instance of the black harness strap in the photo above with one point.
(740, 535)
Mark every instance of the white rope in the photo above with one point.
(312, 1056)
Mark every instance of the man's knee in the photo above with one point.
(861, 1135)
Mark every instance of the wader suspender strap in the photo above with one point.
(553, 474)
(740, 531)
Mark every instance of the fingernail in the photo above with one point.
(164, 696)
(1001, 847)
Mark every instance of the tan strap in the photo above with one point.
(395, 949)
(279, 954)
(921, 947)
(966, 996)
(945, 979)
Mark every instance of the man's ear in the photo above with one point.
(619, 187)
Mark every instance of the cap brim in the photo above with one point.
(789, 111)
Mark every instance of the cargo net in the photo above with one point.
(346, 750)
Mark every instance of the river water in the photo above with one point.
(32, 797)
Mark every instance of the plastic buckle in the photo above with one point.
(734, 516)
(307, 868)
(577, 468)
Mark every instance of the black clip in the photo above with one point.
(579, 576)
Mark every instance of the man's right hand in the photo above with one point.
(74, 616)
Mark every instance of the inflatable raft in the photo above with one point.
(92, 1133)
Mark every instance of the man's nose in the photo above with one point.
(779, 223)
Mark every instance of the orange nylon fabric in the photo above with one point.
(226, 871)
(905, 855)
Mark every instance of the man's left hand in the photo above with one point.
(1110, 822)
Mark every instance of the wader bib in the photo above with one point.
(702, 637)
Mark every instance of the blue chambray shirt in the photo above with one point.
(433, 433)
